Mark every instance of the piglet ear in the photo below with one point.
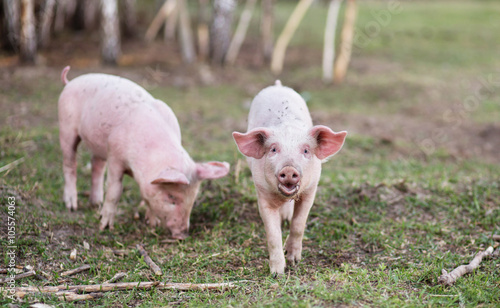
(329, 142)
(251, 144)
(171, 176)
(211, 170)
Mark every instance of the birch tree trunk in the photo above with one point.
(110, 37)
(266, 29)
(28, 34)
(186, 33)
(220, 31)
(329, 44)
(129, 17)
(46, 22)
(11, 11)
(347, 34)
(203, 32)
(285, 36)
(240, 33)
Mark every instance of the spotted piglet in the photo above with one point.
(285, 152)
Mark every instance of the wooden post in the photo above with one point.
(220, 30)
(329, 43)
(166, 9)
(266, 29)
(28, 46)
(240, 33)
(46, 22)
(347, 35)
(129, 18)
(285, 36)
(11, 11)
(186, 33)
(110, 38)
(203, 32)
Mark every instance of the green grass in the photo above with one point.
(388, 216)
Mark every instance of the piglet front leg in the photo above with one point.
(270, 214)
(113, 193)
(293, 245)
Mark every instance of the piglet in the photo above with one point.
(285, 152)
(132, 133)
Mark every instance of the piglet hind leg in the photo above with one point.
(293, 244)
(69, 144)
(113, 193)
(96, 192)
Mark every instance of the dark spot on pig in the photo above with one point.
(269, 109)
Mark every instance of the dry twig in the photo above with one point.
(20, 276)
(116, 277)
(75, 271)
(155, 268)
(21, 292)
(450, 278)
(73, 297)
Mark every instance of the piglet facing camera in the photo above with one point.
(132, 133)
(285, 152)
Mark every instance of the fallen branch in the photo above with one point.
(73, 297)
(75, 271)
(20, 276)
(450, 278)
(12, 164)
(116, 277)
(155, 268)
(496, 237)
(21, 292)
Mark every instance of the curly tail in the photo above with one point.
(64, 72)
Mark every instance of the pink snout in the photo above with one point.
(180, 235)
(288, 181)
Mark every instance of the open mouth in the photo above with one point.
(288, 190)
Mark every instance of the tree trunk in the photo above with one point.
(46, 22)
(285, 36)
(11, 11)
(266, 29)
(110, 38)
(220, 31)
(240, 33)
(329, 47)
(129, 17)
(171, 23)
(347, 34)
(186, 33)
(90, 14)
(65, 10)
(203, 33)
(28, 34)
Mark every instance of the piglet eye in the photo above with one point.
(306, 151)
(273, 150)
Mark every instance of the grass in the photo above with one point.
(389, 214)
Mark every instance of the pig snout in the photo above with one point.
(288, 181)
(182, 235)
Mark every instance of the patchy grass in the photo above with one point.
(410, 194)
